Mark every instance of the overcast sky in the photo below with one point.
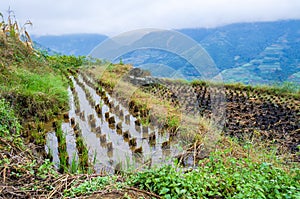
(112, 17)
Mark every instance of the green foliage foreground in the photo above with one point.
(11, 141)
(216, 177)
(229, 178)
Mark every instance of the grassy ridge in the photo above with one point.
(33, 94)
(30, 82)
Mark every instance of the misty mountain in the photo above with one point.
(72, 44)
(245, 40)
(252, 53)
(255, 53)
(42, 48)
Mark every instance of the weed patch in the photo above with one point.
(90, 186)
(219, 177)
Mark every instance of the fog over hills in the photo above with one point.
(71, 44)
(255, 53)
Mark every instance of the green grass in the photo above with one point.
(30, 83)
(33, 94)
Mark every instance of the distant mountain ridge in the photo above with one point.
(70, 44)
(252, 53)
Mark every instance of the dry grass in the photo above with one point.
(112, 75)
(209, 138)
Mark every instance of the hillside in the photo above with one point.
(71, 127)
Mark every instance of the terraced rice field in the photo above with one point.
(103, 129)
(249, 112)
(108, 132)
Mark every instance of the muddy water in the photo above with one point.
(52, 142)
(109, 146)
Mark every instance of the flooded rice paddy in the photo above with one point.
(114, 137)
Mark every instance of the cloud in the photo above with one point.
(114, 16)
